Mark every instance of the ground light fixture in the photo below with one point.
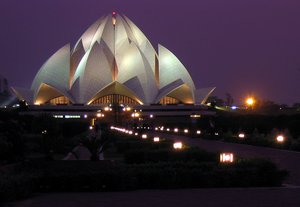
(135, 115)
(186, 131)
(156, 139)
(280, 138)
(241, 135)
(176, 130)
(177, 145)
(107, 108)
(226, 157)
(144, 136)
(198, 132)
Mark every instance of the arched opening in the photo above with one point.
(114, 99)
(60, 100)
(169, 100)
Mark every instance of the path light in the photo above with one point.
(130, 132)
(226, 157)
(241, 135)
(156, 139)
(135, 115)
(168, 129)
(177, 145)
(186, 131)
(91, 127)
(280, 138)
(175, 130)
(144, 136)
(156, 128)
(136, 134)
(198, 132)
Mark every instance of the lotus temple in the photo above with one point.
(113, 62)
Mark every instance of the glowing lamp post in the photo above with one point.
(226, 157)
(156, 139)
(250, 102)
(280, 138)
(177, 145)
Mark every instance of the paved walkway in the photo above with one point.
(288, 160)
(231, 197)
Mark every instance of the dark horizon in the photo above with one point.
(242, 48)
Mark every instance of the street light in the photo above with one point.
(250, 101)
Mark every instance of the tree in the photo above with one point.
(215, 101)
(229, 99)
(97, 141)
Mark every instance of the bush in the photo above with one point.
(168, 155)
(18, 186)
(79, 176)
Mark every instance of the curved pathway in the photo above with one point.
(288, 160)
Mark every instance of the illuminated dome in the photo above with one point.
(113, 62)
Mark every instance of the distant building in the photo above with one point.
(113, 63)
(4, 89)
(5, 95)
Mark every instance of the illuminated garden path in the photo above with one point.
(288, 160)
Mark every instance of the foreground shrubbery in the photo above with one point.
(82, 176)
(168, 155)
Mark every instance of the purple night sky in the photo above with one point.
(240, 46)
